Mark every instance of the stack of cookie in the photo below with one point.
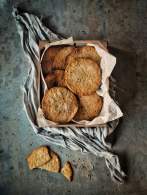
(72, 75)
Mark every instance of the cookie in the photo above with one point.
(59, 105)
(89, 107)
(48, 58)
(59, 74)
(60, 58)
(84, 52)
(55, 78)
(53, 165)
(50, 80)
(38, 157)
(67, 171)
(82, 76)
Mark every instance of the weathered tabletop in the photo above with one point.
(124, 25)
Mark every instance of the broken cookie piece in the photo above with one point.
(38, 157)
(45, 159)
(67, 171)
(53, 165)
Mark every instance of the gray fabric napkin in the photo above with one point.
(31, 30)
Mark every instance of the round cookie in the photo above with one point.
(48, 58)
(84, 52)
(82, 76)
(89, 107)
(60, 58)
(59, 105)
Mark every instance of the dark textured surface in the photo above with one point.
(124, 25)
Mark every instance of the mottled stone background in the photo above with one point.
(124, 25)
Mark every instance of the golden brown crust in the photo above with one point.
(53, 165)
(84, 52)
(60, 58)
(59, 78)
(82, 76)
(48, 58)
(67, 171)
(55, 78)
(59, 105)
(50, 80)
(89, 107)
(38, 157)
